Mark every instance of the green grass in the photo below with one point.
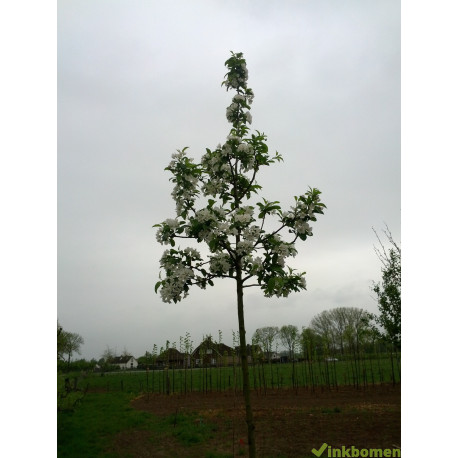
(363, 372)
(90, 429)
(190, 429)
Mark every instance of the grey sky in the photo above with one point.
(139, 79)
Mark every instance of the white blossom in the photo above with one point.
(176, 158)
(234, 138)
(172, 223)
(220, 212)
(302, 227)
(224, 228)
(159, 236)
(231, 112)
(244, 215)
(249, 164)
(220, 263)
(257, 265)
(193, 253)
(204, 215)
(213, 188)
(166, 231)
(178, 275)
(244, 148)
(244, 247)
(284, 249)
(252, 233)
(226, 168)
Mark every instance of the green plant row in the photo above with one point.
(358, 373)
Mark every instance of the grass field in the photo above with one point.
(303, 374)
(88, 430)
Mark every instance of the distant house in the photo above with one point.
(210, 353)
(172, 358)
(124, 362)
(272, 356)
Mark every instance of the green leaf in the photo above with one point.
(159, 283)
(271, 284)
(213, 245)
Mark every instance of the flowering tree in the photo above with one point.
(214, 205)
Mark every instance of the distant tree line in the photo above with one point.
(342, 332)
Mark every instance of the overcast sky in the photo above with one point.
(139, 79)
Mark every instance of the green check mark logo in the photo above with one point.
(320, 451)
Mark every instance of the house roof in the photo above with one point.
(170, 354)
(121, 359)
(207, 343)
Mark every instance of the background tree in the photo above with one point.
(388, 291)
(238, 245)
(289, 335)
(311, 343)
(265, 337)
(107, 357)
(341, 328)
(146, 360)
(323, 326)
(74, 342)
(60, 342)
(356, 331)
(68, 343)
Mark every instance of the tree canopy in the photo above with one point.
(388, 291)
(289, 335)
(67, 343)
(265, 337)
(341, 328)
(233, 231)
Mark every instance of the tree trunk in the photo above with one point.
(245, 374)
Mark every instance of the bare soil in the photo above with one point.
(289, 423)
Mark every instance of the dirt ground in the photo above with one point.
(289, 423)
